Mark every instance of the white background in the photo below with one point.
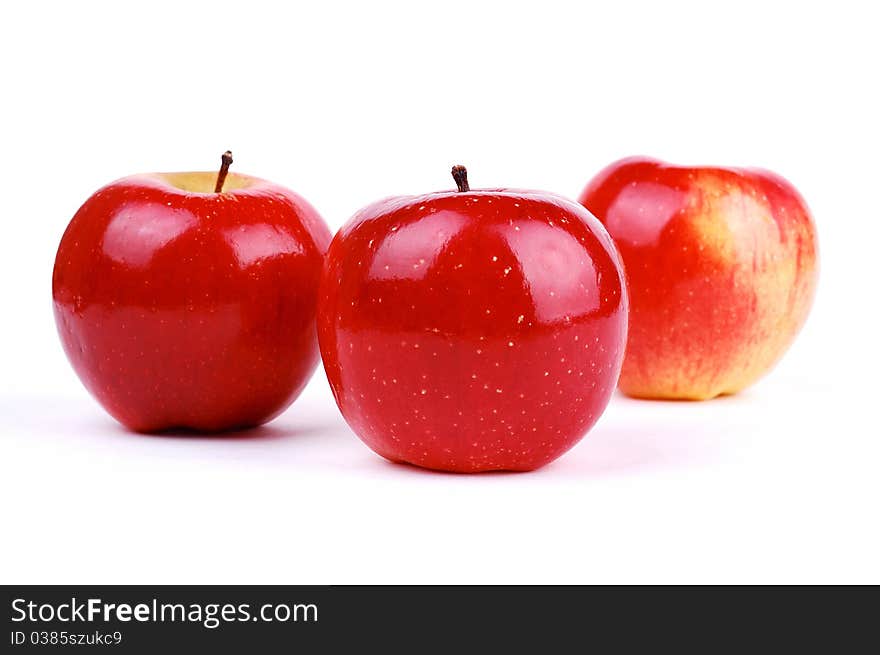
(349, 102)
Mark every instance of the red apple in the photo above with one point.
(472, 330)
(188, 300)
(721, 266)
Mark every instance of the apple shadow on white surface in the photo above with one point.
(267, 432)
(632, 437)
(643, 436)
(637, 448)
(646, 436)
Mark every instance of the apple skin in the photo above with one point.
(185, 309)
(721, 265)
(472, 331)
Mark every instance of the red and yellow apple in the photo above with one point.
(188, 300)
(721, 268)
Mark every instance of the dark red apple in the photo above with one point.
(188, 300)
(721, 266)
(472, 330)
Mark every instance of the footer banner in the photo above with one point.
(284, 619)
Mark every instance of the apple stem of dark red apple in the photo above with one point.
(459, 174)
(225, 163)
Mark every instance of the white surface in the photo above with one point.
(347, 103)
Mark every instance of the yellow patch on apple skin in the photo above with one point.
(204, 181)
(745, 290)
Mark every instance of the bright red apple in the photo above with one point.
(721, 266)
(472, 330)
(188, 300)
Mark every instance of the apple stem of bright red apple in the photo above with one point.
(459, 174)
(225, 163)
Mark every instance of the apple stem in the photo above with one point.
(225, 163)
(459, 174)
